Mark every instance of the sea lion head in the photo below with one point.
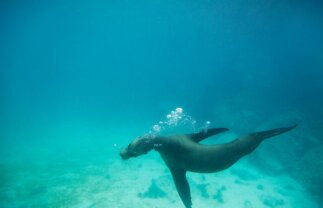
(137, 147)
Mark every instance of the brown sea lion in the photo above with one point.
(183, 153)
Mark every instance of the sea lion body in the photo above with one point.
(183, 153)
(180, 152)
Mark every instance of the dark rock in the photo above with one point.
(272, 201)
(154, 191)
(202, 188)
(219, 196)
(260, 187)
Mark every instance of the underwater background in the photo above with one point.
(81, 79)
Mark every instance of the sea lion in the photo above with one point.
(183, 153)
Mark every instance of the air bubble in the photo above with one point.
(174, 119)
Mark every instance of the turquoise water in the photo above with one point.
(81, 79)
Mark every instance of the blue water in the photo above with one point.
(79, 79)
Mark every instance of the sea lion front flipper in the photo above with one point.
(182, 186)
(206, 133)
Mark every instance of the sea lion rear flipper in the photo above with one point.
(247, 144)
(272, 133)
(206, 133)
(182, 186)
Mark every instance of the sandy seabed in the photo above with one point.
(143, 182)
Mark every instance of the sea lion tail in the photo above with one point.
(247, 144)
(273, 132)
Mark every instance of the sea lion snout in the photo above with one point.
(128, 153)
(138, 147)
(124, 154)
